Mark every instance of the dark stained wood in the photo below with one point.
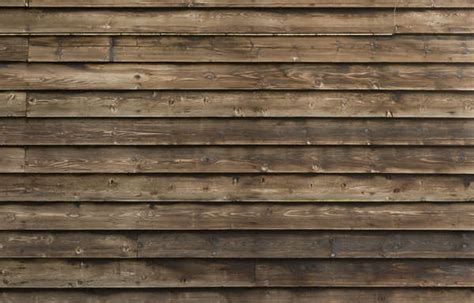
(12, 104)
(243, 295)
(123, 76)
(12, 160)
(126, 273)
(252, 49)
(13, 48)
(251, 104)
(236, 132)
(251, 3)
(380, 273)
(225, 188)
(303, 159)
(237, 244)
(224, 216)
(235, 273)
(236, 21)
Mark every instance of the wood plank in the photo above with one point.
(242, 295)
(368, 273)
(236, 244)
(13, 48)
(235, 216)
(125, 273)
(235, 273)
(295, 159)
(12, 160)
(253, 3)
(236, 21)
(225, 188)
(251, 104)
(123, 76)
(252, 49)
(13, 3)
(12, 104)
(236, 132)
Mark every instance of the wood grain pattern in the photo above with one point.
(251, 3)
(251, 104)
(245, 216)
(13, 3)
(306, 159)
(225, 188)
(243, 295)
(236, 132)
(123, 76)
(12, 104)
(235, 273)
(252, 49)
(12, 160)
(13, 49)
(236, 244)
(236, 21)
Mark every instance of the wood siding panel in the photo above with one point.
(12, 104)
(236, 132)
(252, 49)
(12, 160)
(258, 216)
(13, 49)
(225, 188)
(123, 76)
(164, 104)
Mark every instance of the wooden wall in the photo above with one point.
(234, 151)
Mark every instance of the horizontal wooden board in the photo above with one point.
(242, 295)
(235, 273)
(12, 104)
(236, 244)
(295, 159)
(236, 21)
(249, 3)
(129, 76)
(251, 49)
(13, 48)
(236, 132)
(245, 216)
(224, 188)
(251, 104)
(12, 160)
(15, 3)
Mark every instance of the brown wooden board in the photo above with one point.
(12, 104)
(13, 48)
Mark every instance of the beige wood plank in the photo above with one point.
(251, 104)
(237, 216)
(12, 160)
(245, 188)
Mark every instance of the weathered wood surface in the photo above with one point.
(236, 244)
(123, 76)
(249, 3)
(13, 49)
(12, 104)
(251, 104)
(236, 21)
(235, 273)
(236, 132)
(252, 49)
(246, 188)
(15, 3)
(303, 159)
(245, 216)
(12, 160)
(242, 295)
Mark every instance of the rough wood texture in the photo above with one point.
(225, 188)
(236, 132)
(13, 49)
(305, 159)
(251, 104)
(12, 104)
(15, 3)
(96, 76)
(12, 160)
(240, 295)
(236, 21)
(249, 3)
(237, 244)
(224, 216)
(252, 49)
(235, 273)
